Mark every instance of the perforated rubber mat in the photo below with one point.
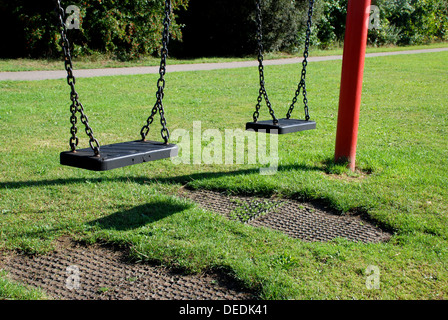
(103, 273)
(77, 272)
(299, 220)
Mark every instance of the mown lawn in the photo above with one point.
(401, 181)
(96, 61)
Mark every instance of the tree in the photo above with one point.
(228, 27)
(414, 21)
(128, 28)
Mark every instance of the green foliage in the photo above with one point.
(412, 21)
(330, 22)
(228, 27)
(126, 28)
(402, 22)
(131, 29)
(284, 23)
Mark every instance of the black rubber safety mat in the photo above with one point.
(299, 220)
(282, 127)
(119, 155)
(77, 272)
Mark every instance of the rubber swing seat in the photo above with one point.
(282, 127)
(118, 155)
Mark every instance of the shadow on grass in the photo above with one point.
(139, 216)
(123, 220)
(184, 179)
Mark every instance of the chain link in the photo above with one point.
(158, 107)
(76, 106)
(302, 83)
(262, 92)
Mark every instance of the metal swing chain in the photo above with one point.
(158, 107)
(302, 83)
(76, 106)
(262, 91)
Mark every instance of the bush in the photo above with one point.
(406, 22)
(130, 28)
(127, 28)
(330, 22)
(284, 24)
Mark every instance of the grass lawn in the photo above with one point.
(16, 291)
(96, 61)
(401, 183)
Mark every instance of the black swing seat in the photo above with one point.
(119, 155)
(283, 126)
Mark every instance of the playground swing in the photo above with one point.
(285, 125)
(134, 152)
(119, 154)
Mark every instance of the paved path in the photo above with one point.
(85, 73)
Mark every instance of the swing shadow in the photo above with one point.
(139, 216)
(145, 214)
(123, 220)
(183, 179)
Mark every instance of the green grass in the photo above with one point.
(98, 61)
(401, 182)
(338, 49)
(10, 290)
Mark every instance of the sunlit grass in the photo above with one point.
(401, 181)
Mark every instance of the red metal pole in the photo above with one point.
(355, 42)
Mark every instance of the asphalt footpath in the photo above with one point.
(87, 73)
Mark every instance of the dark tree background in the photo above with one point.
(228, 28)
(128, 29)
